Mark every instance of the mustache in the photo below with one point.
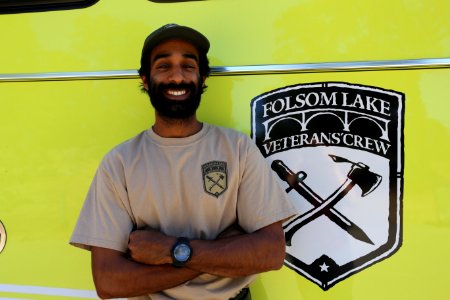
(189, 86)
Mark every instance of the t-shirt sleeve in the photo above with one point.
(261, 200)
(105, 219)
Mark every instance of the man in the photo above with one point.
(206, 207)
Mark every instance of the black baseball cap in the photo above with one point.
(173, 31)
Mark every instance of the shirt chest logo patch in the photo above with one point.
(215, 177)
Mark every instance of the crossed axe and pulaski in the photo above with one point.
(359, 175)
(215, 182)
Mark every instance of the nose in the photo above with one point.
(176, 75)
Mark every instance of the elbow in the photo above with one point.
(106, 273)
(275, 250)
(280, 262)
(103, 295)
(108, 291)
(103, 289)
(278, 257)
(273, 261)
(278, 253)
(272, 258)
(106, 286)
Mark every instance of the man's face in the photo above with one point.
(175, 82)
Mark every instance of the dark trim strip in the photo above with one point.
(26, 6)
(173, 1)
(431, 63)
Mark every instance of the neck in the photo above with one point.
(176, 128)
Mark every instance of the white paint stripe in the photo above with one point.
(48, 291)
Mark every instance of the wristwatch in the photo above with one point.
(181, 252)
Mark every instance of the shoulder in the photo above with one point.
(234, 139)
(124, 150)
(237, 138)
(229, 133)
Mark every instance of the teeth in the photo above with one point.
(176, 92)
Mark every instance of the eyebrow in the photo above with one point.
(164, 55)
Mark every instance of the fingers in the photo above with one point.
(150, 247)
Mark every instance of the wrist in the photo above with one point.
(170, 243)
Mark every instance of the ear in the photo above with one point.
(144, 82)
(204, 81)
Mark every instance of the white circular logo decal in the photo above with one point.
(2, 237)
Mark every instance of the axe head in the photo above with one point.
(365, 179)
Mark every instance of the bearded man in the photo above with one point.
(184, 210)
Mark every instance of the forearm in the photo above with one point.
(233, 256)
(115, 276)
(241, 255)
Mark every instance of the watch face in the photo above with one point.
(182, 252)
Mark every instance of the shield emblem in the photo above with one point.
(337, 148)
(215, 177)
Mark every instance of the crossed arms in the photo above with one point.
(149, 269)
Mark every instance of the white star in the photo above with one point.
(324, 267)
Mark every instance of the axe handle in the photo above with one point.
(287, 175)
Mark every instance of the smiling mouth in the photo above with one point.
(177, 93)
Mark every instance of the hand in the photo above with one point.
(150, 247)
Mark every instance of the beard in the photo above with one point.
(174, 109)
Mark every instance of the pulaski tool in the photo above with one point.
(358, 175)
(216, 182)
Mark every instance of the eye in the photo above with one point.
(162, 66)
(190, 66)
